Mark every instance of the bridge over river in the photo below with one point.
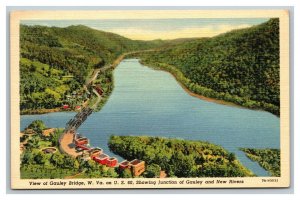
(66, 141)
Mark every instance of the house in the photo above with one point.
(102, 159)
(65, 106)
(137, 167)
(112, 162)
(124, 165)
(95, 152)
(81, 141)
(83, 147)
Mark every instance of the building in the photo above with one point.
(124, 165)
(83, 147)
(98, 89)
(102, 159)
(65, 106)
(112, 162)
(95, 152)
(137, 167)
(81, 141)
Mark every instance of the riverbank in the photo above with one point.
(218, 101)
(210, 95)
(40, 111)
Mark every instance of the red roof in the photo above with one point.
(66, 106)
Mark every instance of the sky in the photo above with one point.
(150, 29)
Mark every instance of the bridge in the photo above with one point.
(78, 119)
(66, 141)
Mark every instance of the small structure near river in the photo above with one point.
(136, 166)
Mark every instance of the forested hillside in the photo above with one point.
(241, 66)
(180, 158)
(56, 61)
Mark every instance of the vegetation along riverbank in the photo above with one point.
(269, 159)
(180, 158)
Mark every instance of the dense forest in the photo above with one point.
(269, 159)
(180, 158)
(55, 62)
(240, 66)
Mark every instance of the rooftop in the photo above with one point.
(135, 161)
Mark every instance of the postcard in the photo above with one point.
(149, 99)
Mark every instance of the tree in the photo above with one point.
(26, 158)
(55, 137)
(33, 142)
(231, 157)
(152, 171)
(126, 173)
(39, 158)
(57, 159)
(37, 125)
(111, 172)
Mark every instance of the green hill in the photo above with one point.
(241, 66)
(56, 61)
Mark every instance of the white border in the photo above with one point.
(152, 3)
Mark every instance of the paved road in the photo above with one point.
(99, 97)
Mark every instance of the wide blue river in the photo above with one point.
(150, 102)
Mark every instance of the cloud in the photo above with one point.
(205, 31)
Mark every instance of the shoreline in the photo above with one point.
(208, 99)
(42, 111)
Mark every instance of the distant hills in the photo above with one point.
(241, 66)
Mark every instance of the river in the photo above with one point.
(150, 102)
